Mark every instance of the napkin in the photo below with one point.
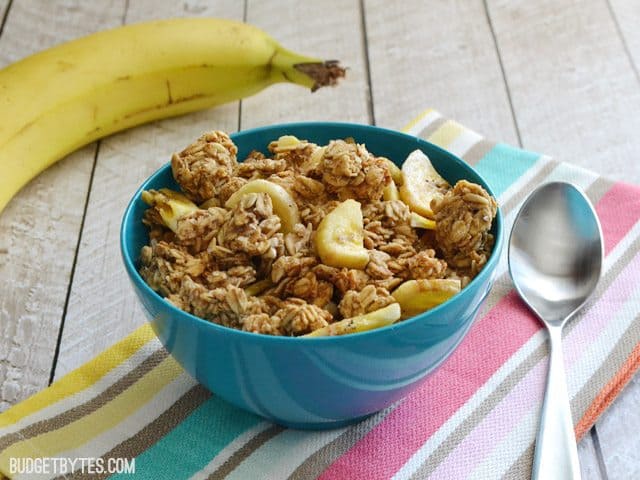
(474, 417)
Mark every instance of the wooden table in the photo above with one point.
(556, 76)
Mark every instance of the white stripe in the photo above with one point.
(509, 450)
(524, 179)
(226, 453)
(423, 123)
(463, 142)
(469, 407)
(279, 457)
(136, 421)
(420, 456)
(83, 396)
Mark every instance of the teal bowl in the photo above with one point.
(313, 383)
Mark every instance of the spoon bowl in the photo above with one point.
(556, 251)
(555, 261)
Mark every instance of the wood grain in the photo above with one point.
(618, 433)
(588, 457)
(39, 228)
(102, 306)
(330, 29)
(575, 96)
(3, 8)
(436, 55)
(626, 13)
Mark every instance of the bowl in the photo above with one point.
(323, 382)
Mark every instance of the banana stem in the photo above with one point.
(323, 74)
(306, 71)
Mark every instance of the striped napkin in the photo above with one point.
(475, 417)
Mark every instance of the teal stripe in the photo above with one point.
(503, 165)
(190, 446)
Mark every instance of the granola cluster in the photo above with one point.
(236, 265)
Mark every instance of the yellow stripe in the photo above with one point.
(112, 413)
(80, 378)
(446, 134)
(413, 122)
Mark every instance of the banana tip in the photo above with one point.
(322, 73)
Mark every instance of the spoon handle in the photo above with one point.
(556, 455)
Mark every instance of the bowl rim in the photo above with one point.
(484, 274)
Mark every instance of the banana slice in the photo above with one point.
(171, 205)
(340, 237)
(390, 192)
(418, 221)
(283, 204)
(376, 319)
(417, 296)
(422, 183)
(396, 173)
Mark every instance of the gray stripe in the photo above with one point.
(522, 467)
(613, 363)
(82, 410)
(478, 151)
(518, 374)
(154, 431)
(426, 132)
(616, 358)
(598, 188)
(319, 461)
(533, 182)
(243, 453)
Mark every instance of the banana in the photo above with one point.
(421, 183)
(58, 100)
(284, 206)
(418, 221)
(417, 296)
(340, 237)
(171, 205)
(390, 192)
(361, 323)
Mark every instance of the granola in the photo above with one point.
(239, 264)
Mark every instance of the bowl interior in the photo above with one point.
(394, 145)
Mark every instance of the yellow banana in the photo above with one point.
(58, 100)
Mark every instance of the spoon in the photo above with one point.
(555, 261)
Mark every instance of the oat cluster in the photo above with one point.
(236, 267)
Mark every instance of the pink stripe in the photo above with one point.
(620, 206)
(384, 450)
(529, 391)
(388, 446)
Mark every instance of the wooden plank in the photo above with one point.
(437, 55)
(619, 426)
(330, 29)
(575, 94)
(618, 434)
(3, 8)
(576, 97)
(588, 457)
(626, 14)
(102, 306)
(39, 228)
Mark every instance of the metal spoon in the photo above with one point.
(555, 261)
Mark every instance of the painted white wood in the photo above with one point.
(589, 467)
(102, 305)
(436, 55)
(330, 29)
(619, 434)
(574, 93)
(627, 15)
(39, 228)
